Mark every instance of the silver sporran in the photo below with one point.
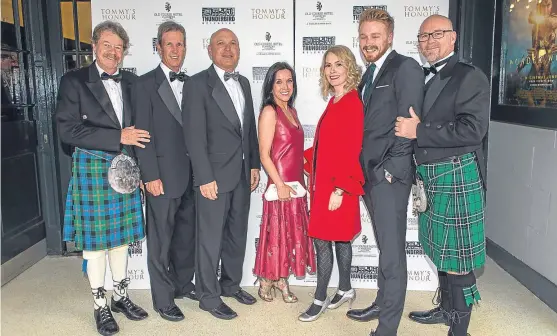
(419, 198)
(123, 175)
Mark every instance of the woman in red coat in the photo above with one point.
(336, 178)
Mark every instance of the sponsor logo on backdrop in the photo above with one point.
(267, 47)
(412, 47)
(309, 131)
(412, 223)
(260, 189)
(420, 276)
(118, 14)
(414, 249)
(136, 248)
(364, 214)
(317, 44)
(218, 15)
(358, 10)
(268, 13)
(168, 14)
(259, 74)
(420, 11)
(364, 273)
(132, 70)
(310, 72)
(206, 42)
(218, 272)
(365, 248)
(319, 17)
(256, 243)
(136, 274)
(154, 43)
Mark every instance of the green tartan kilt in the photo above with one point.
(451, 230)
(96, 216)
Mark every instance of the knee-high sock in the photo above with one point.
(118, 259)
(443, 299)
(96, 270)
(461, 287)
(344, 260)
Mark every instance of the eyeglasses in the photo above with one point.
(436, 35)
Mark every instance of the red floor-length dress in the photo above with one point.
(284, 247)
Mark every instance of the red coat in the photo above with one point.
(336, 163)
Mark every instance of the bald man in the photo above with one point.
(221, 138)
(450, 162)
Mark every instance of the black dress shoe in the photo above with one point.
(434, 316)
(190, 295)
(106, 325)
(171, 313)
(364, 315)
(223, 312)
(128, 308)
(243, 297)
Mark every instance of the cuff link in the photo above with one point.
(84, 117)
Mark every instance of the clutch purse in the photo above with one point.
(419, 198)
(272, 194)
(123, 174)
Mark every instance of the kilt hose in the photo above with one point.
(451, 230)
(97, 217)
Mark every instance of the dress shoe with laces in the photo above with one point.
(434, 316)
(223, 312)
(171, 313)
(189, 295)
(364, 315)
(243, 297)
(128, 308)
(106, 325)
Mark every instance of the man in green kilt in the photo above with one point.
(450, 162)
(103, 211)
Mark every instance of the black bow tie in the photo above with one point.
(234, 75)
(177, 76)
(433, 69)
(116, 77)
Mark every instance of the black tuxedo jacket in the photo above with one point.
(455, 116)
(215, 140)
(398, 85)
(84, 113)
(158, 112)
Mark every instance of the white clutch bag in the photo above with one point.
(272, 195)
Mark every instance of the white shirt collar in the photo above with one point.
(166, 71)
(441, 66)
(381, 60)
(101, 70)
(220, 72)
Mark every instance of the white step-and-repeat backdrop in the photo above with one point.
(297, 32)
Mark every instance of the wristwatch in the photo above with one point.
(338, 192)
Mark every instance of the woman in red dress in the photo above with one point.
(336, 178)
(284, 246)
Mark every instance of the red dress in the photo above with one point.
(284, 246)
(334, 162)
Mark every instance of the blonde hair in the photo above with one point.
(347, 59)
(379, 15)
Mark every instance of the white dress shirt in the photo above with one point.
(114, 91)
(378, 64)
(427, 65)
(236, 94)
(176, 86)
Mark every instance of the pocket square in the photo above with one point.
(382, 86)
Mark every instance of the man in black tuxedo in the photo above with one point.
(94, 114)
(390, 86)
(220, 132)
(166, 171)
(449, 138)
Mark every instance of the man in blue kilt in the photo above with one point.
(103, 211)
(451, 164)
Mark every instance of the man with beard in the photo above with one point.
(451, 164)
(94, 115)
(391, 85)
(166, 170)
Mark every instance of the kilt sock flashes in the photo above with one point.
(96, 269)
(463, 293)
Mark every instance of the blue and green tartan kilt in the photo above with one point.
(96, 216)
(451, 230)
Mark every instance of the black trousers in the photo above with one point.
(387, 204)
(222, 227)
(170, 246)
